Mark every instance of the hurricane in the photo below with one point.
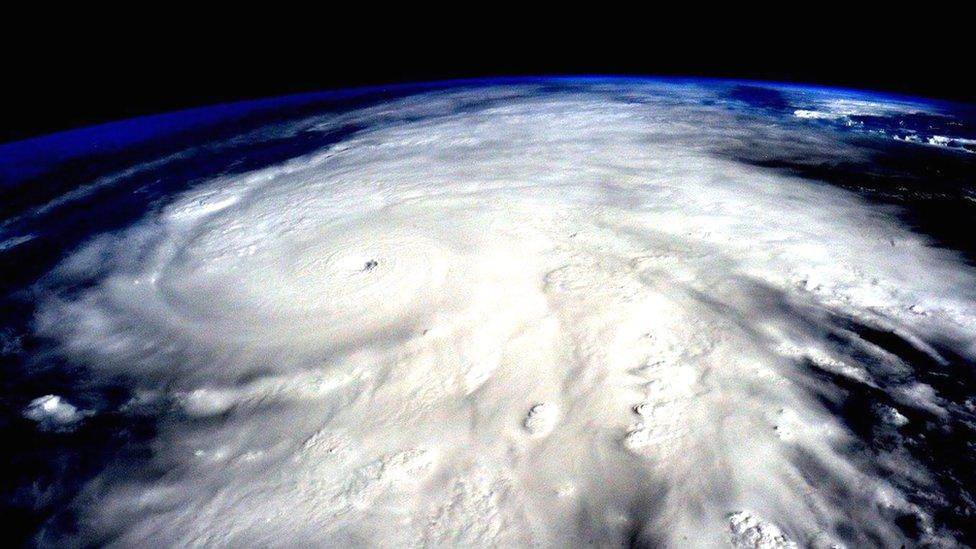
(532, 313)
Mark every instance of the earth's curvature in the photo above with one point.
(550, 312)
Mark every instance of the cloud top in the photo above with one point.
(510, 316)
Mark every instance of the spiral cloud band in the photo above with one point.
(497, 316)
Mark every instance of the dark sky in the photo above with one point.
(92, 76)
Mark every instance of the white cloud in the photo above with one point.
(355, 338)
(53, 413)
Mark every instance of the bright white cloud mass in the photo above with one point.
(553, 319)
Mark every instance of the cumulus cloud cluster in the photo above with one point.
(508, 316)
(53, 413)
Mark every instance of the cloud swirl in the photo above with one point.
(509, 316)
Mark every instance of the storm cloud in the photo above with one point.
(513, 315)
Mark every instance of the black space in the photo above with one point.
(70, 75)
